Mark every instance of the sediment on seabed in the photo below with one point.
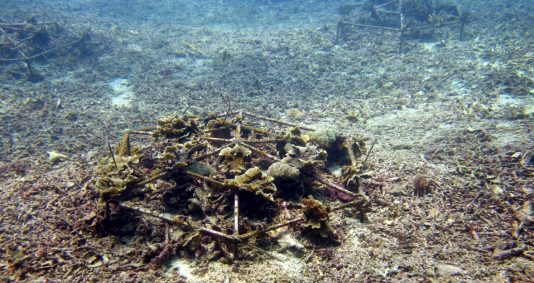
(446, 170)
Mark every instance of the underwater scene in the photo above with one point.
(266, 141)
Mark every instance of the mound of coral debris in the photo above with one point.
(227, 187)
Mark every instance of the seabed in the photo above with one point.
(139, 142)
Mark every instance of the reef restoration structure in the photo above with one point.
(227, 187)
(36, 38)
(403, 17)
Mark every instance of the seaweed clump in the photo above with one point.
(224, 184)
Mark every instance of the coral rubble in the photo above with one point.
(224, 183)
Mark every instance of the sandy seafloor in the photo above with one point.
(458, 112)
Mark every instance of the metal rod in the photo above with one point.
(140, 133)
(42, 53)
(217, 139)
(462, 28)
(277, 121)
(359, 202)
(204, 178)
(270, 228)
(253, 141)
(225, 114)
(112, 156)
(348, 144)
(376, 27)
(402, 27)
(260, 152)
(153, 178)
(376, 7)
(25, 58)
(335, 187)
(266, 141)
(236, 214)
(431, 27)
(219, 234)
(23, 24)
(214, 152)
(239, 119)
(368, 153)
(237, 138)
(167, 218)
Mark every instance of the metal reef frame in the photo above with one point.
(348, 23)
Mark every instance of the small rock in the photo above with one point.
(497, 191)
(55, 157)
(283, 170)
(517, 155)
(289, 243)
(448, 270)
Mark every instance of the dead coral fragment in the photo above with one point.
(281, 170)
(220, 128)
(296, 136)
(315, 212)
(110, 187)
(305, 156)
(255, 181)
(316, 217)
(421, 186)
(55, 157)
(233, 159)
(324, 137)
(124, 148)
(116, 176)
(350, 176)
(175, 127)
